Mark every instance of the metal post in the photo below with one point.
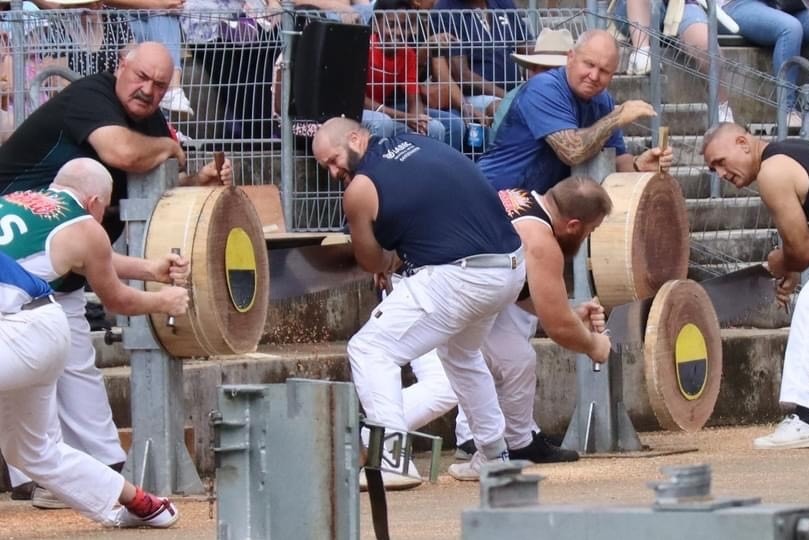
(600, 422)
(592, 14)
(158, 459)
(655, 76)
(18, 60)
(794, 62)
(287, 461)
(713, 83)
(287, 141)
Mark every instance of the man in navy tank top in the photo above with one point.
(414, 202)
(782, 172)
(34, 344)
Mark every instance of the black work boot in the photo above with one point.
(542, 451)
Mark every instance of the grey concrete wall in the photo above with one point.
(749, 393)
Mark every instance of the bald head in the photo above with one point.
(721, 131)
(581, 198)
(153, 52)
(591, 63)
(339, 146)
(335, 131)
(142, 79)
(86, 177)
(732, 153)
(597, 39)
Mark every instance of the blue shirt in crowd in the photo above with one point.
(487, 43)
(435, 206)
(520, 157)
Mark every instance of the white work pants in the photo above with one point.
(33, 348)
(513, 362)
(448, 308)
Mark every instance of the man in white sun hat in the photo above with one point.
(550, 51)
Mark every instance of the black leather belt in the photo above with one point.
(39, 302)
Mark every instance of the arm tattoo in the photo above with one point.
(574, 146)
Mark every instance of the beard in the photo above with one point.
(570, 244)
(352, 162)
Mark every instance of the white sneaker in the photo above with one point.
(163, 517)
(794, 120)
(640, 62)
(394, 481)
(175, 100)
(470, 471)
(725, 113)
(792, 432)
(44, 499)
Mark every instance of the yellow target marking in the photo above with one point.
(691, 361)
(240, 269)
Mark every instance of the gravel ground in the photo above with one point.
(433, 510)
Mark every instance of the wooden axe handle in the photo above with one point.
(662, 143)
(219, 162)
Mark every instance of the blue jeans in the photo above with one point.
(454, 126)
(164, 29)
(770, 27)
(382, 125)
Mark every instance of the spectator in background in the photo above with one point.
(161, 24)
(480, 58)
(549, 52)
(785, 32)
(687, 20)
(392, 97)
(564, 117)
(92, 40)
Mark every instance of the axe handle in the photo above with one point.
(218, 163)
(662, 143)
(171, 321)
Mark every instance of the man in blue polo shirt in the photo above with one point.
(564, 117)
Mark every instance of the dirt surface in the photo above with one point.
(433, 510)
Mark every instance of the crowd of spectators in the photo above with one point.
(439, 73)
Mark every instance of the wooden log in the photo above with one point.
(682, 356)
(644, 242)
(219, 231)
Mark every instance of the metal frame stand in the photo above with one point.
(158, 459)
(287, 461)
(600, 422)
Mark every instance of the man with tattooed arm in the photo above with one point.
(564, 117)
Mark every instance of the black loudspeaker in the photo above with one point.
(329, 71)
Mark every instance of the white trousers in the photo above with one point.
(795, 377)
(33, 348)
(447, 308)
(429, 398)
(82, 403)
(513, 362)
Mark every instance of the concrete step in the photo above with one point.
(748, 245)
(727, 214)
(680, 118)
(626, 87)
(696, 183)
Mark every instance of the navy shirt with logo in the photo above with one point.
(435, 206)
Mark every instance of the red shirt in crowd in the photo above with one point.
(386, 73)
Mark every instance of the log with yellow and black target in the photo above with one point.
(682, 356)
(219, 231)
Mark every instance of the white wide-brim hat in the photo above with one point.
(550, 49)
